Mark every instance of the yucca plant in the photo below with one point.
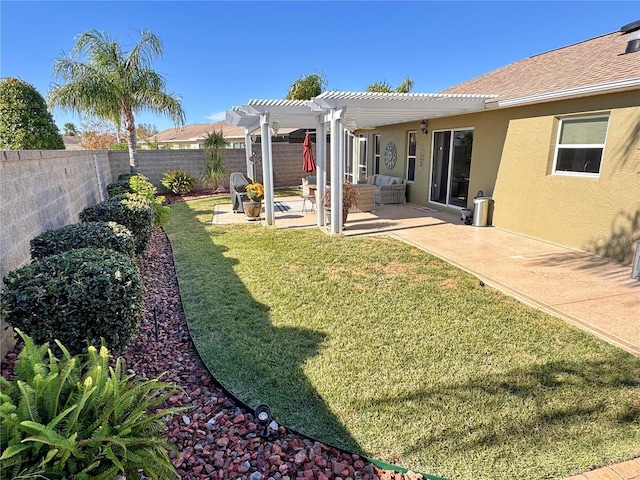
(77, 417)
(178, 181)
(214, 169)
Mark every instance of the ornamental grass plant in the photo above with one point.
(373, 345)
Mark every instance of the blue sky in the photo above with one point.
(221, 54)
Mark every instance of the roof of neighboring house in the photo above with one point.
(202, 130)
(198, 132)
(71, 142)
(598, 64)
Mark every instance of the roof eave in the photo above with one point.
(610, 87)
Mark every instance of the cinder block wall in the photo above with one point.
(43, 190)
(287, 163)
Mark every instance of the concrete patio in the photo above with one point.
(588, 291)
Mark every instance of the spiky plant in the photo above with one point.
(77, 417)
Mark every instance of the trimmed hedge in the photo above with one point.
(140, 185)
(131, 210)
(76, 297)
(84, 235)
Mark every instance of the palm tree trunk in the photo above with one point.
(130, 127)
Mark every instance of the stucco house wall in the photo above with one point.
(600, 215)
(512, 159)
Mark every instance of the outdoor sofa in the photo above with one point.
(388, 189)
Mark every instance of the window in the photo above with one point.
(411, 156)
(580, 145)
(376, 154)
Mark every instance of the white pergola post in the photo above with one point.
(248, 149)
(337, 167)
(321, 168)
(267, 169)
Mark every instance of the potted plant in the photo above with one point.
(253, 206)
(350, 196)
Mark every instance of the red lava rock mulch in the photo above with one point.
(215, 437)
(194, 195)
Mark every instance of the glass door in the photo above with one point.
(450, 167)
(362, 158)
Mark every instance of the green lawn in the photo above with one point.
(378, 347)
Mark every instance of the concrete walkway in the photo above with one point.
(585, 290)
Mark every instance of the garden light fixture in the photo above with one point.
(424, 126)
(263, 415)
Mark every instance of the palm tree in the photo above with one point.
(113, 84)
(307, 87)
(70, 129)
(383, 87)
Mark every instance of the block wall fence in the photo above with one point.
(42, 190)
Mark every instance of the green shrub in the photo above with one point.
(131, 210)
(77, 417)
(84, 235)
(178, 181)
(25, 121)
(118, 188)
(140, 185)
(76, 296)
(126, 176)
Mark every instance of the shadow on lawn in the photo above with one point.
(248, 361)
(562, 400)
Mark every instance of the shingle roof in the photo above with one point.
(199, 132)
(598, 61)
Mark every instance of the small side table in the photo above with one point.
(312, 203)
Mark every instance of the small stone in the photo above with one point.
(300, 458)
(337, 467)
(222, 442)
(186, 420)
(256, 476)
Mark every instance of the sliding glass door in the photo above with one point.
(450, 167)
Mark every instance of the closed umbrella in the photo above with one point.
(308, 163)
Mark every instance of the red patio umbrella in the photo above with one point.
(308, 163)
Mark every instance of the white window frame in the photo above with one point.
(409, 156)
(560, 146)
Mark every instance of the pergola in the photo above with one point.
(336, 111)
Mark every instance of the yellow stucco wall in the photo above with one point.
(600, 215)
(512, 159)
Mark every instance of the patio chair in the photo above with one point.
(238, 182)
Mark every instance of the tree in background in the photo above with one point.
(25, 122)
(145, 131)
(307, 87)
(98, 134)
(383, 87)
(70, 129)
(114, 85)
(214, 169)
